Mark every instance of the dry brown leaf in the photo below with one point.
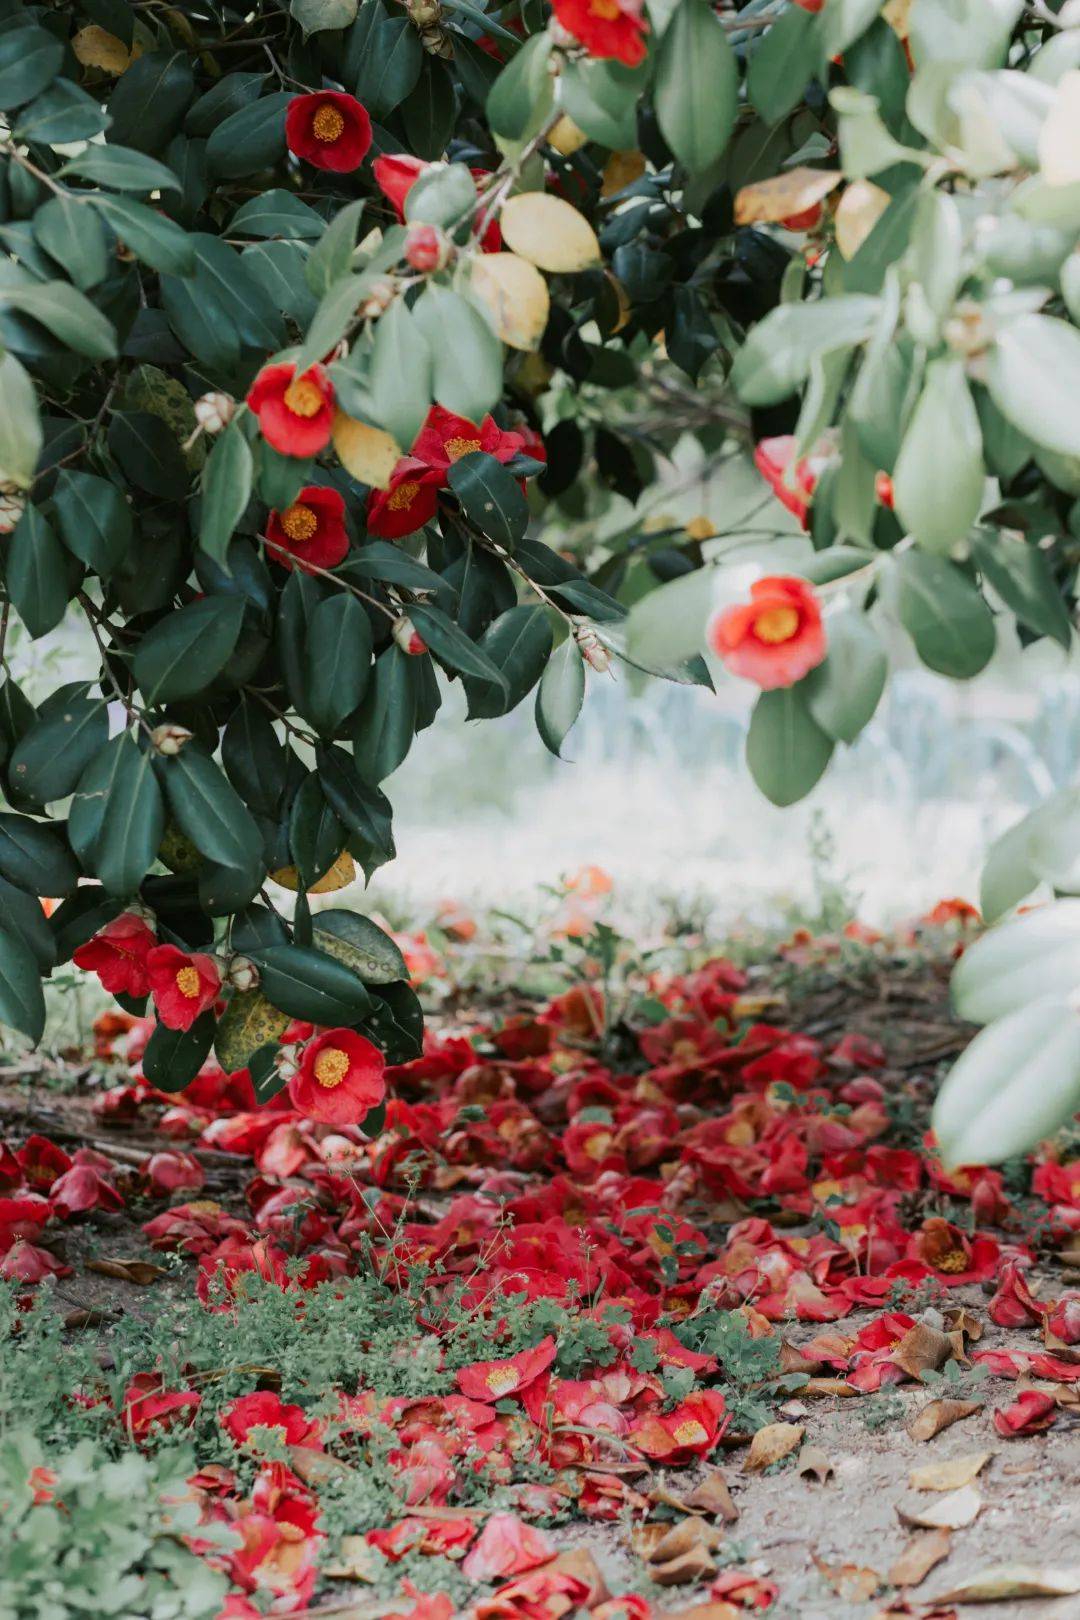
(814, 1463)
(548, 232)
(579, 1562)
(96, 1316)
(711, 1495)
(718, 1610)
(767, 202)
(688, 1567)
(140, 1272)
(951, 1474)
(828, 1386)
(770, 1444)
(852, 1582)
(96, 47)
(922, 1553)
(621, 170)
(923, 1348)
(675, 1540)
(514, 295)
(355, 1561)
(1014, 1581)
(367, 452)
(958, 1319)
(952, 1512)
(939, 1415)
(318, 1467)
(858, 211)
(566, 137)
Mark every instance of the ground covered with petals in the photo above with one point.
(650, 1297)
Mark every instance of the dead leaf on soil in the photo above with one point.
(951, 1474)
(939, 1415)
(851, 1582)
(922, 1349)
(770, 1444)
(318, 1467)
(1014, 1581)
(828, 1386)
(922, 1553)
(579, 1562)
(814, 1464)
(951, 1512)
(711, 1495)
(140, 1272)
(958, 1319)
(704, 1611)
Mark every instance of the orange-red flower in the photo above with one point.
(148, 1405)
(492, 1380)
(117, 954)
(296, 414)
(1031, 1411)
(310, 533)
(793, 488)
(183, 984)
(507, 1546)
(408, 502)
(340, 1078)
(397, 172)
(691, 1430)
(774, 639)
(264, 1410)
(329, 129)
(610, 28)
(445, 438)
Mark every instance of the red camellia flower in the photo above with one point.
(397, 173)
(774, 639)
(612, 28)
(407, 504)
(773, 457)
(265, 1410)
(311, 532)
(492, 1380)
(296, 414)
(1031, 1411)
(329, 129)
(445, 438)
(148, 1405)
(117, 954)
(183, 985)
(340, 1078)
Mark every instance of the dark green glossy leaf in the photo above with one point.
(305, 983)
(95, 520)
(53, 754)
(173, 1057)
(184, 652)
(34, 857)
(22, 1002)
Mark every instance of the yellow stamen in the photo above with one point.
(607, 10)
(187, 982)
(299, 522)
(953, 1260)
(331, 1066)
(501, 1379)
(690, 1433)
(776, 624)
(402, 497)
(456, 448)
(327, 124)
(303, 397)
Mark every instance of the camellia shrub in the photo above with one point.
(340, 341)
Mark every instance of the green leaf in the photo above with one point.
(518, 643)
(250, 140)
(68, 314)
(943, 613)
(254, 758)
(843, 692)
(24, 917)
(453, 647)
(390, 68)
(386, 721)
(48, 761)
(159, 242)
(352, 938)
(521, 95)
(133, 820)
(209, 810)
(149, 454)
(318, 16)
(62, 114)
(401, 372)
(148, 104)
(35, 572)
(337, 309)
(20, 423)
(226, 490)
(228, 95)
(308, 984)
(95, 520)
(602, 99)
(248, 1023)
(73, 235)
(338, 661)
(34, 857)
(331, 258)
(1033, 372)
(183, 653)
(466, 356)
(967, 33)
(1021, 575)
(173, 1057)
(441, 195)
(776, 358)
(490, 497)
(360, 807)
(782, 64)
(30, 59)
(22, 1001)
(696, 89)
(429, 112)
(560, 695)
(316, 835)
(1008, 967)
(786, 749)
(80, 918)
(277, 213)
(121, 169)
(939, 491)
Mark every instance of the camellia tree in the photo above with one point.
(340, 341)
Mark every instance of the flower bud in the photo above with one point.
(242, 973)
(883, 490)
(168, 739)
(427, 248)
(214, 411)
(592, 648)
(424, 13)
(12, 507)
(286, 1063)
(380, 297)
(405, 634)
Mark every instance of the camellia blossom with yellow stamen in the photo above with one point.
(607, 28)
(183, 984)
(310, 533)
(340, 1078)
(296, 414)
(445, 438)
(329, 130)
(774, 639)
(407, 503)
(493, 1380)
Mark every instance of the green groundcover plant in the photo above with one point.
(325, 324)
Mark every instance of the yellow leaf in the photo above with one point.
(368, 453)
(96, 47)
(548, 232)
(951, 1474)
(622, 169)
(897, 13)
(515, 296)
(767, 202)
(952, 1512)
(857, 212)
(1059, 138)
(566, 137)
(339, 876)
(769, 1444)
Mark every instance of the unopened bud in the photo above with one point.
(883, 490)
(214, 411)
(168, 739)
(286, 1064)
(380, 297)
(407, 637)
(12, 507)
(427, 248)
(242, 973)
(437, 42)
(592, 648)
(424, 13)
